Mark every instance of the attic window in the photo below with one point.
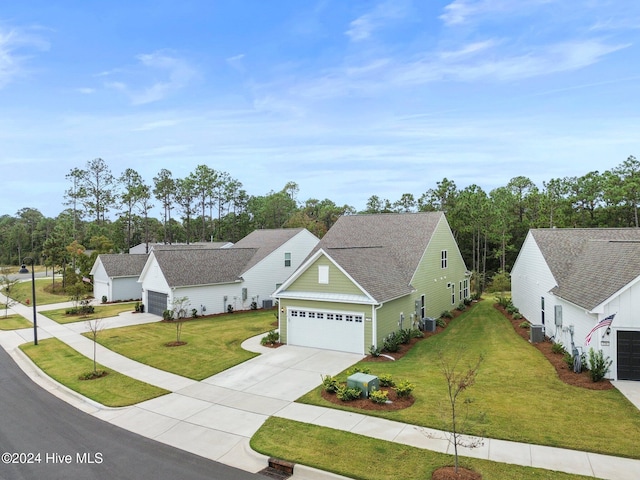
(323, 274)
(287, 259)
(443, 259)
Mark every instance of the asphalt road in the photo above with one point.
(44, 438)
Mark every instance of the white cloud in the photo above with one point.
(177, 71)
(13, 43)
(460, 12)
(363, 27)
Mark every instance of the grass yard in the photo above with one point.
(13, 322)
(365, 458)
(65, 365)
(213, 344)
(518, 395)
(21, 291)
(100, 311)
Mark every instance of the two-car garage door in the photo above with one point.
(330, 330)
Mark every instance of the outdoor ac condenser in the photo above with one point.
(536, 334)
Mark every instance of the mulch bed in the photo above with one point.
(449, 473)
(565, 374)
(397, 403)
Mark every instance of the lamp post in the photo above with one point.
(24, 269)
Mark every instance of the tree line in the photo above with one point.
(109, 213)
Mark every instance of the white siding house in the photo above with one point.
(215, 280)
(115, 277)
(571, 279)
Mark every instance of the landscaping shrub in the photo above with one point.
(254, 305)
(525, 324)
(467, 301)
(347, 394)
(353, 370)
(446, 314)
(386, 380)
(329, 383)
(416, 333)
(461, 306)
(441, 322)
(391, 343)
(404, 335)
(194, 313)
(379, 396)
(229, 308)
(598, 365)
(374, 351)
(557, 348)
(568, 359)
(270, 338)
(404, 388)
(167, 315)
(104, 299)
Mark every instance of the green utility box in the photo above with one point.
(365, 382)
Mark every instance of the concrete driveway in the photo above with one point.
(215, 418)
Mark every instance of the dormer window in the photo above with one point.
(287, 259)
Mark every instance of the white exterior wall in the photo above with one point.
(152, 279)
(100, 282)
(125, 288)
(531, 279)
(261, 280)
(209, 296)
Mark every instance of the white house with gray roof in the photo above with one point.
(568, 280)
(215, 280)
(369, 276)
(115, 276)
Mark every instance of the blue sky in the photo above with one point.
(346, 98)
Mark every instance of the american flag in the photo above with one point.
(85, 279)
(605, 322)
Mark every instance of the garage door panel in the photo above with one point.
(342, 331)
(628, 357)
(156, 302)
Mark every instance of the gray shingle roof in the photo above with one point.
(186, 267)
(590, 265)
(265, 242)
(123, 265)
(381, 251)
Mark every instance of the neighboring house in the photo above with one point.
(144, 248)
(369, 276)
(568, 280)
(215, 279)
(115, 276)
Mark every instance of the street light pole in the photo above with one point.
(33, 293)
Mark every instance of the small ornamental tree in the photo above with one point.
(6, 284)
(95, 327)
(458, 381)
(179, 313)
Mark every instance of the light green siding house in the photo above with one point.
(371, 275)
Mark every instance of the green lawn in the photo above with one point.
(517, 394)
(21, 291)
(65, 365)
(213, 344)
(365, 458)
(13, 322)
(100, 311)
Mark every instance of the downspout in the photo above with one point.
(374, 324)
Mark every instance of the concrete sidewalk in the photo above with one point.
(216, 417)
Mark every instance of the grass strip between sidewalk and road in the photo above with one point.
(365, 458)
(212, 343)
(65, 365)
(100, 311)
(14, 322)
(517, 395)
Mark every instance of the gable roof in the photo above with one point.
(188, 267)
(381, 252)
(122, 265)
(265, 242)
(590, 265)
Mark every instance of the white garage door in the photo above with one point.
(330, 330)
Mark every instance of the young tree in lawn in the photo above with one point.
(179, 313)
(6, 284)
(459, 380)
(95, 327)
